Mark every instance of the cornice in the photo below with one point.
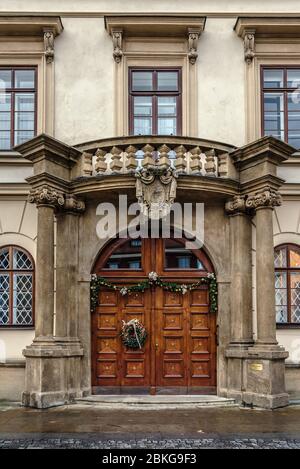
(268, 25)
(29, 25)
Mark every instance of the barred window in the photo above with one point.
(16, 287)
(287, 284)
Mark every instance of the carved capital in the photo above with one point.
(267, 198)
(117, 36)
(235, 205)
(193, 37)
(46, 195)
(74, 205)
(249, 46)
(49, 45)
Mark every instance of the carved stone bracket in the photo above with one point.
(117, 36)
(46, 195)
(74, 205)
(267, 198)
(193, 37)
(156, 191)
(249, 45)
(236, 205)
(49, 45)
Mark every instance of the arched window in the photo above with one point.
(16, 287)
(287, 284)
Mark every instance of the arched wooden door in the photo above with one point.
(180, 352)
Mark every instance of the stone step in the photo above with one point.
(147, 401)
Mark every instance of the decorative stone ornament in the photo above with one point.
(49, 46)
(236, 205)
(156, 190)
(193, 37)
(46, 195)
(249, 46)
(267, 198)
(74, 205)
(117, 45)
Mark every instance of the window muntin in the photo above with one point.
(16, 287)
(281, 104)
(287, 284)
(155, 102)
(18, 101)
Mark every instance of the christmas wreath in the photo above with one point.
(133, 334)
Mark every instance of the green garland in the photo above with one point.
(154, 280)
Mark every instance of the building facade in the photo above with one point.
(193, 104)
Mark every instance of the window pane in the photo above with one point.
(178, 257)
(273, 78)
(5, 79)
(294, 101)
(294, 138)
(5, 143)
(167, 81)
(293, 78)
(142, 81)
(273, 102)
(294, 258)
(295, 297)
(280, 257)
(4, 258)
(21, 261)
(143, 126)
(24, 102)
(166, 106)
(24, 78)
(23, 136)
(127, 256)
(142, 106)
(294, 120)
(4, 120)
(280, 282)
(4, 299)
(5, 102)
(281, 314)
(24, 121)
(166, 126)
(274, 122)
(22, 299)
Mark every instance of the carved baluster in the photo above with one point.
(116, 163)
(223, 165)
(164, 156)
(101, 165)
(180, 162)
(87, 164)
(131, 163)
(148, 156)
(195, 164)
(210, 164)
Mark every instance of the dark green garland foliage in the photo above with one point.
(210, 280)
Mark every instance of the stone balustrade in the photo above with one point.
(127, 154)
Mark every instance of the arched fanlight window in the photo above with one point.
(16, 287)
(287, 284)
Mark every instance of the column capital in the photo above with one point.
(74, 205)
(264, 199)
(236, 205)
(46, 195)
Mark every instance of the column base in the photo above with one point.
(53, 373)
(256, 375)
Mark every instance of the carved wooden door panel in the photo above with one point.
(185, 338)
(113, 364)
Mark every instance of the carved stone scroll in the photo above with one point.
(267, 198)
(49, 45)
(249, 46)
(193, 37)
(46, 195)
(117, 36)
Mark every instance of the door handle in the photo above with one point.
(156, 346)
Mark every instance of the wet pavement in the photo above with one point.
(96, 426)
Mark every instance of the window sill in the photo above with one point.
(17, 328)
(288, 326)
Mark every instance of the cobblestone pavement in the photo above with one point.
(205, 443)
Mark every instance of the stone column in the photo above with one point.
(241, 273)
(46, 199)
(265, 373)
(66, 324)
(241, 337)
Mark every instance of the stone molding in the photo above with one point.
(266, 198)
